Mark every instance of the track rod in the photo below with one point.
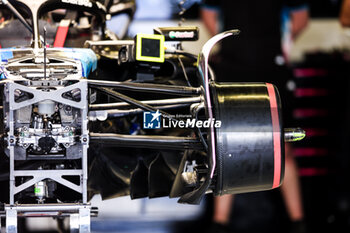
(115, 113)
(134, 102)
(147, 87)
(162, 102)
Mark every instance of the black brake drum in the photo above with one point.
(249, 143)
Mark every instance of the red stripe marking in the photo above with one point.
(309, 72)
(313, 171)
(310, 92)
(276, 136)
(309, 151)
(61, 36)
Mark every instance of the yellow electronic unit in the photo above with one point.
(150, 48)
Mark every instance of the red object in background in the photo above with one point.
(61, 33)
(316, 132)
(313, 171)
(309, 151)
(310, 92)
(309, 72)
(309, 112)
(60, 36)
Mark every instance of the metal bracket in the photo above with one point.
(79, 215)
(56, 175)
(11, 220)
(82, 211)
(55, 95)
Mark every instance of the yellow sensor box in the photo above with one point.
(150, 48)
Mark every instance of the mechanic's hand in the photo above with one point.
(345, 14)
(299, 21)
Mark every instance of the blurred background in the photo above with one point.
(318, 62)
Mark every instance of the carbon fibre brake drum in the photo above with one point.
(249, 143)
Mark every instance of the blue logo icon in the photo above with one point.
(151, 120)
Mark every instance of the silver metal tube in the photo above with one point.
(147, 141)
(189, 100)
(114, 113)
(147, 87)
(47, 207)
(90, 43)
